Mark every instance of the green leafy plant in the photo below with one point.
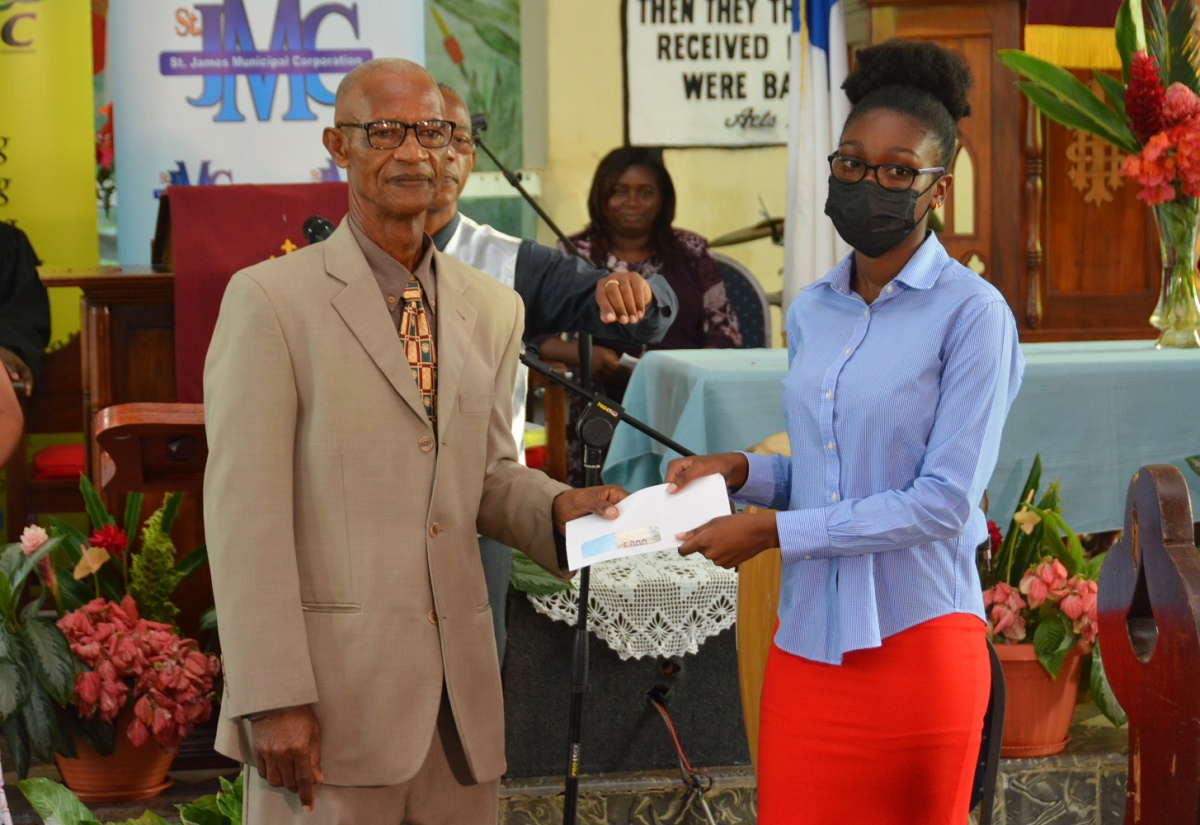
(221, 808)
(37, 668)
(1040, 589)
(529, 577)
(40, 675)
(117, 563)
(56, 804)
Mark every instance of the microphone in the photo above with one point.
(478, 123)
(317, 229)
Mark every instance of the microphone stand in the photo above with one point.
(595, 428)
(595, 437)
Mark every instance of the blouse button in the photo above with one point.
(866, 313)
(888, 288)
(808, 557)
(425, 443)
(833, 496)
(434, 529)
(829, 395)
(432, 617)
(847, 350)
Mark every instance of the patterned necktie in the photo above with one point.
(418, 346)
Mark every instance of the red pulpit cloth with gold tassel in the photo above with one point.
(1076, 34)
(217, 230)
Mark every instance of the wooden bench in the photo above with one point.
(1149, 606)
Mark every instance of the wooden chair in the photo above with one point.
(1149, 605)
(56, 406)
(749, 301)
(152, 448)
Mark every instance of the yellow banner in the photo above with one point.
(1077, 47)
(47, 138)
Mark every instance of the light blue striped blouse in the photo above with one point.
(894, 412)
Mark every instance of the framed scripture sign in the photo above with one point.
(710, 73)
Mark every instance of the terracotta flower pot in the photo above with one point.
(128, 773)
(1039, 709)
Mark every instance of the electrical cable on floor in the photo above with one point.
(698, 783)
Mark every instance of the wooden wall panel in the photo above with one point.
(991, 135)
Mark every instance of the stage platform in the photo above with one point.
(1085, 785)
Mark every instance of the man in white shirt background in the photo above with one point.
(560, 293)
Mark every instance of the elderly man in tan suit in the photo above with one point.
(342, 504)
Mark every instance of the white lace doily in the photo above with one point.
(656, 604)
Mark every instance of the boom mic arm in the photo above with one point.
(479, 125)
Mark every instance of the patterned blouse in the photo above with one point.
(705, 317)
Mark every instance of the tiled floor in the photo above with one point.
(1085, 785)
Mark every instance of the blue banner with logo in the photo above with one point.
(234, 91)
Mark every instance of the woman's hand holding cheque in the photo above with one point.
(729, 540)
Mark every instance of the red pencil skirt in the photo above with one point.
(889, 737)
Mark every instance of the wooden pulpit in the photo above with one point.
(1149, 605)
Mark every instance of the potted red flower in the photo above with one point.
(1040, 596)
(135, 685)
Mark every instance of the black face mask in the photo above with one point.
(870, 218)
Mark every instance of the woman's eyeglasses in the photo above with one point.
(894, 176)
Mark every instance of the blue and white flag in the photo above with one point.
(815, 118)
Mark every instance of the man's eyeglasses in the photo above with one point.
(389, 134)
(894, 176)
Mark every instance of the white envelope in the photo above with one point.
(649, 520)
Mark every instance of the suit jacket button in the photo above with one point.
(425, 443)
(434, 529)
(432, 617)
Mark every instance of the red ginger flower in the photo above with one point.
(1144, 97)
(995, 537)
(110, 537)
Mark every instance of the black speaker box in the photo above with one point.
(621, 730)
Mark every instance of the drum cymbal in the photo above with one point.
(769, 228)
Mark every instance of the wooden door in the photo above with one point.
(982, 215)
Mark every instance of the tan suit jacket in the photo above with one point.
(343, 544)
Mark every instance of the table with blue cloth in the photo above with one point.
(1097, 411)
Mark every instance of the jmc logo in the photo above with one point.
(228, 50)
(15, 29)
(179, 176)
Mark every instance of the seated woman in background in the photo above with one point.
(631, 207)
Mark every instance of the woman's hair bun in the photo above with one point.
(922, 64)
